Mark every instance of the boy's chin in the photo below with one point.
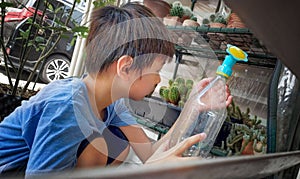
(137, 98)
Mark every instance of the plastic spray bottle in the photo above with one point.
(200, 114)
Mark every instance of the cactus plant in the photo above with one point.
(181, 103)
(177, 11)
(182, 90)
(177, 92)
(189, 83)
(245, 140)
(161, 90)
(215, 20)
(180, 81)
(165, 94)
(171, 82)
(174, 95)
(194, 18)
(220, 19)
(205, 21)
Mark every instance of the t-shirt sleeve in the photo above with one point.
(56, 140)
(121, 115)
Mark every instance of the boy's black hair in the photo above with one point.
(129, 30)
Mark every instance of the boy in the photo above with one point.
(84, 122)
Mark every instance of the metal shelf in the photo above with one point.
(218, 38)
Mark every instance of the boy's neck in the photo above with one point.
(99, 92)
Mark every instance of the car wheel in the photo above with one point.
(56, 67)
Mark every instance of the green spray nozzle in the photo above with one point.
(234, 54)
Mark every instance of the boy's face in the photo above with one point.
(146, 82)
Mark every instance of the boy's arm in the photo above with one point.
(139, 141)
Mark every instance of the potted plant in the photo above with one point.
(165, 108)
(215, 20)
(178, 14)
(247, 136)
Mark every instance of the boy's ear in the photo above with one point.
(123, 65)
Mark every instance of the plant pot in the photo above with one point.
(223, 134)
(190, 23)
(248, 150)
(234, 120)
(217, 25)
(171, 21)
(155, 110)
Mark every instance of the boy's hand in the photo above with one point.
(164, 154)
(216, 97)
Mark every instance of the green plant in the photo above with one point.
(165, 94)
(220, 19)
(214, 18)
(189, 83)
(180, 81)
(177, 92)
(177, 11)
(43, 44)
(234, 112)
(247, 135)
(193, 18)
(246, 140)
(174, 95)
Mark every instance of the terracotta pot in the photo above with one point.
(159, 8)
(248, 149)
(235, 22)
(184, 18)
(217, 25)
(171, 21)
(187, 37)
(190, 23)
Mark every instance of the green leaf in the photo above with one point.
(39, 39)
(58, 9)
(4, 5)
(102, 3)
(73, 41)
(50, 7)
(64, 36)
(81, 29)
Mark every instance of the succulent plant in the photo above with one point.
(187, 11)
(171, 82)
(180, 80)
(165, 94)
(244, 139)
(182, 90)
(205, 21)
(174, 95)
(194, 18)
(188, 93)
(161, 90)
(189, 83)
(181, 104)
(177, 11)
(212, 17)
(177, 92)
(175, 83)
(183, 98)
(220, 19)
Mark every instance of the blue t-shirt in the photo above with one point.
(45, 132)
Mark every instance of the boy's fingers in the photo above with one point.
(187, 143)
